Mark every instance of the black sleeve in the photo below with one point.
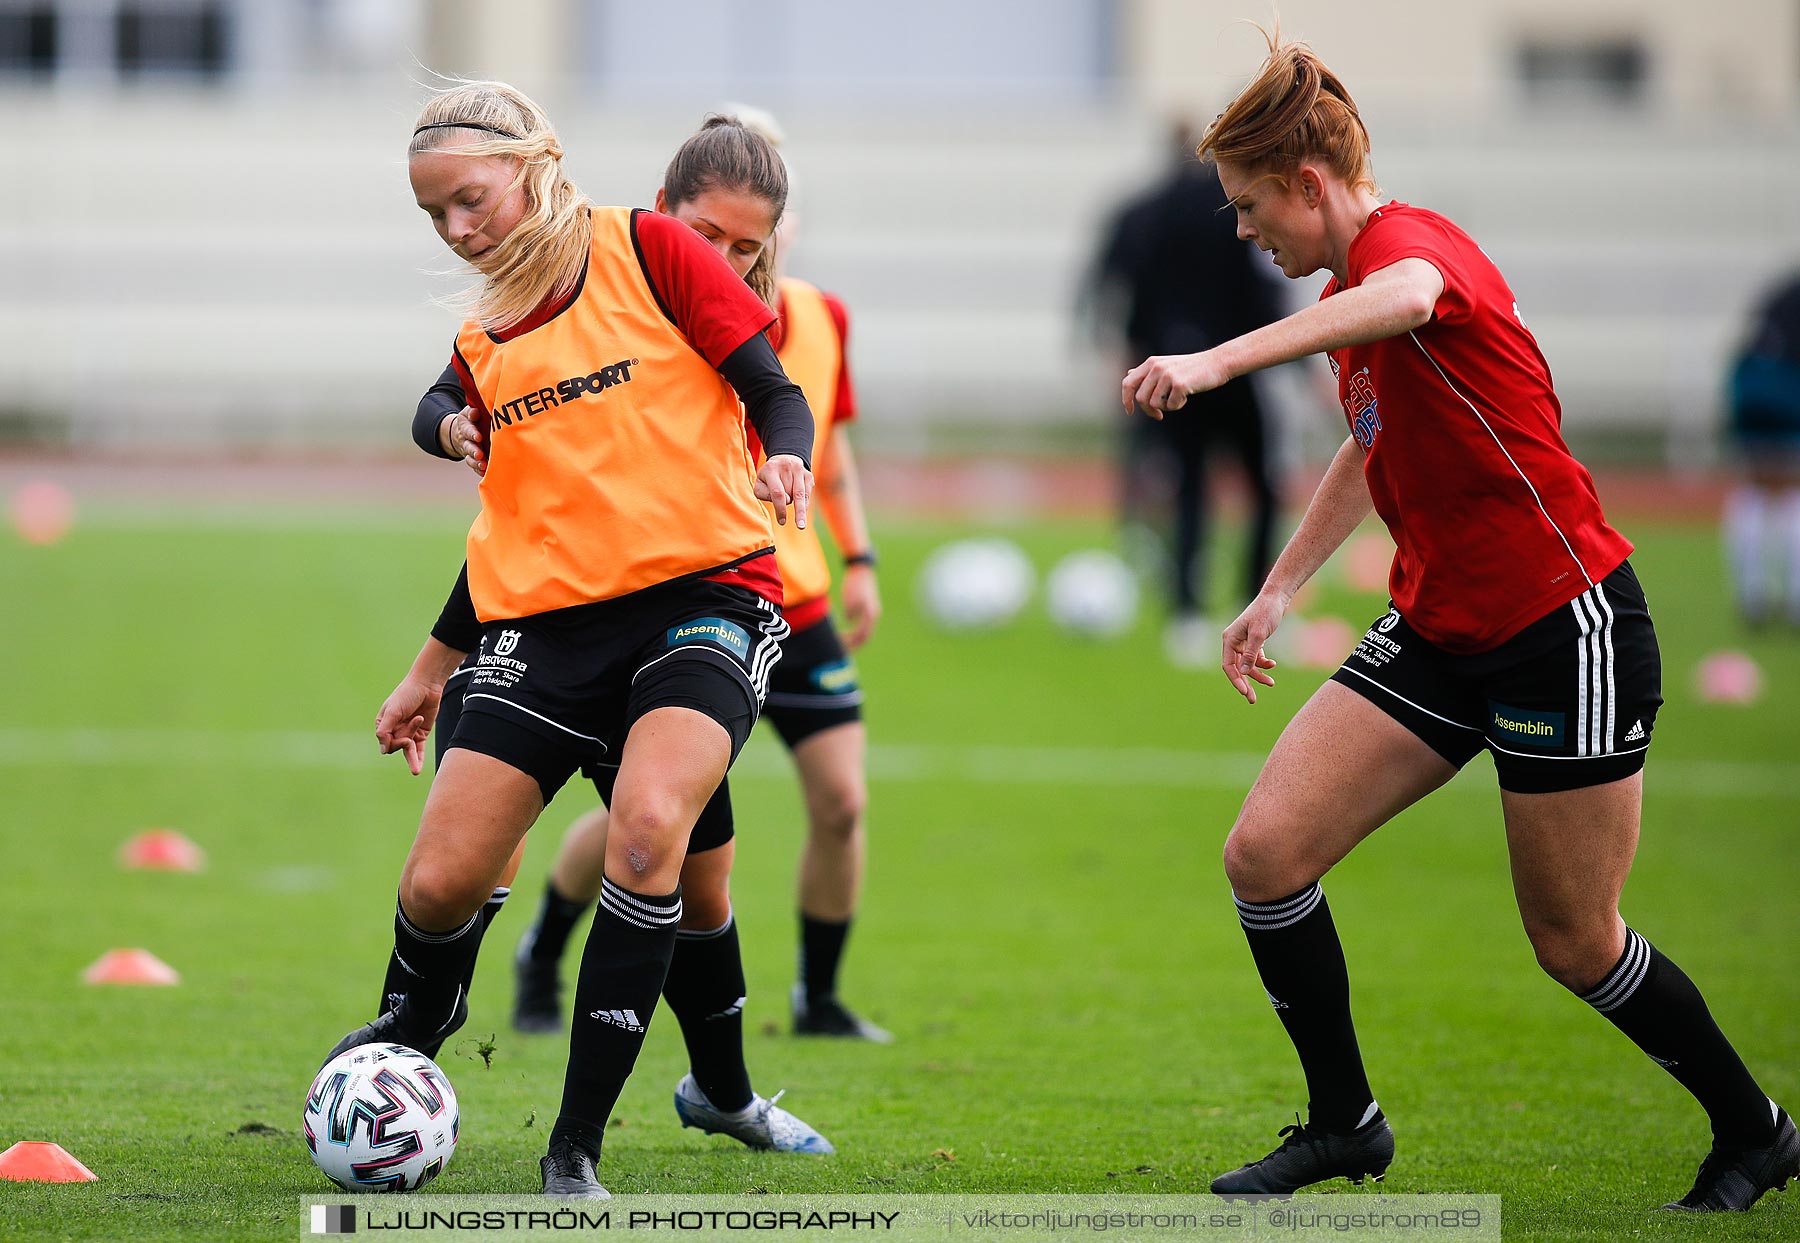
(774, 403)
(444, 397)
(457, 626)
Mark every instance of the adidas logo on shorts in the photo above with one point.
(626, 1019)
(1636, 732)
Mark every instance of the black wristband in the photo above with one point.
(865, 557)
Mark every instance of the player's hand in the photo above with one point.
(461, 438)
(783, 481)
(1165, 381)
(405, 720)
(862, 604)
(1242, 656)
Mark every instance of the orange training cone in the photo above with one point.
(42, 512)
(1729, 678)
(38, 1161)
(162, 850)
(131, 967)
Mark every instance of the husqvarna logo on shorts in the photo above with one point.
(509, 639)
(1389, 622)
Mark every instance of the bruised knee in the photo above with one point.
(647, 841)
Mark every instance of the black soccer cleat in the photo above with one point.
(1310, 1154)
(399, 1026)
(568, 1172)
(1732, 1179)
(827, 1016)
(537, 995)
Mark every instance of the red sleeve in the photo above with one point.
(471, 394)
(1401, 235)
(696, 288)
(845, 409)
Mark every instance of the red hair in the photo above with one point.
(1295, 110)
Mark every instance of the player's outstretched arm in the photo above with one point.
(1339, 504)
(405, 720)
(1393, 300)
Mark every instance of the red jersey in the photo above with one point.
(1495, 523)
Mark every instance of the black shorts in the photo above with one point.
(1568, 702)
(814, 687)
(559, 691)
(713, 829)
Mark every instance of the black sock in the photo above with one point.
(393, 988)
(1301, 962)
(490, 910)
(394, 984)
(1652, 1001)
(433, 966)
(622, 971)
(821, 948)
(584, 1135)
(548, 935)
(705, 992)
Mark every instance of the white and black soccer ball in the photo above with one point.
(976, 584)
(1093, 594)
(381, 1117)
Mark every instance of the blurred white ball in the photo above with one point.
(1093, 593)
(976, 584)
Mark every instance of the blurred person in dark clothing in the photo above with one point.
(1762, 514)
(1174, 278)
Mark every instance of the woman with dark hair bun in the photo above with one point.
(728, 182)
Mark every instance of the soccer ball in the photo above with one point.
(976, 584)
(381, 1117)
(1093, 594)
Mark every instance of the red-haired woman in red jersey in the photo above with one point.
(1517, 627)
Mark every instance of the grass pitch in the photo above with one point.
(1046, 927)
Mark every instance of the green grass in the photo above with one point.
(1046, 927)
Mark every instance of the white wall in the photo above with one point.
(245, 262)
(1455, 60)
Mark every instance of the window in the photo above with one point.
(28, 40)
(1608, 71)
(165, 39)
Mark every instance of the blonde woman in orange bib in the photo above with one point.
(622, 570)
